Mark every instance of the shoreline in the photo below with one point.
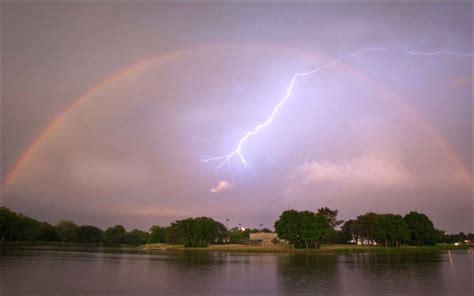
(336, 249)
(325, 249)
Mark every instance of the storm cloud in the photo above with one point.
(134, 96)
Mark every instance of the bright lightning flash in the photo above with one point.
(237, 152)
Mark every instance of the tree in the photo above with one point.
(8, 224)
(48, 232)
(198, 232)
(136, 237)
(89, 234)
(29, 229)
(114, 236)
(172, 234)
(422, 231)
(157, 234)
(303, 229)
(331, 216)
(363, 228)
(347, 232)
(67, 231)
(237, 235)
(440, 236)
(288, 229)
(390, 229)
(315, 229)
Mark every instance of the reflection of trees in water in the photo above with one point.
(307, 273)
(389, 273)
(398, 265)
(216, 273)
(362, 273)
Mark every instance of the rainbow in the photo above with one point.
(169, 56)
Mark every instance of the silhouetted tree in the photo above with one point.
(363, 228)
(114, 236)
(287, 227)
(347, 232)
(237, 235)
(157, 234)
(89, 234)
(422, 231)
(390, 229)
(198, 232)
(136, 237)
(49, 232)
(303, 229)
(8, 224)
(331, 216)
(172, 234)
(67, 231)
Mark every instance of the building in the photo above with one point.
(263, 237)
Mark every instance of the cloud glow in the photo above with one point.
(223, 185)
(365, 170)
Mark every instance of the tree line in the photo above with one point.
(192, 232)
(305, 229)
(19, 227)
(302, 229)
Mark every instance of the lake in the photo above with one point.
(128, 271)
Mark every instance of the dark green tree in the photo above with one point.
(114, 236)
(363, 228)
(136, 237)
(347, 232)
(201, 231)
(172, 234)
(287, 227)
(49, 232)
(8, 224)
(331, 216)
(28, 228)
(237, 235)
(422, 231)
(157, 235)
(390, 229)
(314, 229)
(89, 234)
(303, 229)
(440, 236)
(67, 231)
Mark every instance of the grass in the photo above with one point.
(335, 248)
(273, 248)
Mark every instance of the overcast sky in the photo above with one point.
(383, 131)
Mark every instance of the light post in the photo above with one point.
(227, 227)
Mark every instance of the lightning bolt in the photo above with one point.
(237, 152)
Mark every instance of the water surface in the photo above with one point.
(102, 271)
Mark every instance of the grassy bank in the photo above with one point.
(274, 248)
(335, 248)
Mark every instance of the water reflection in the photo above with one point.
(305, 272)
(220, 273)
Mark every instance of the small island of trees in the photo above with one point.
(298, 229)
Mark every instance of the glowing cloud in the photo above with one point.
(359, 171)
(223, 185)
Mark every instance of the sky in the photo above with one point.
(108, 111)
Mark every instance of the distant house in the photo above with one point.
(364, 242)
(263, 237)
